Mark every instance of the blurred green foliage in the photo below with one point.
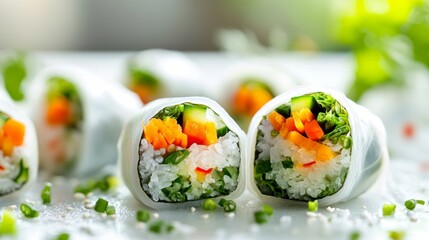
(14, 72)
(386, 36)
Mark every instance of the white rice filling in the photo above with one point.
(11, 170)
(60, 145)
(156, 176)
(301, 182)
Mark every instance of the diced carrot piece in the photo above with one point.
(159, 143)
(241, 100)
(305, 115)
(184, 140)
(211, 134)
(313, 130)
(297, 120)
(150, 131)
(324, 153)
(59, 111)
(145, 93)
(1, 168)
(290, 124)
(7, 146)
(15, 131)
(276, 120)
(258, 98)
(170, 122)
(165, 131)
(284, 131)
(302, 141)
(195, 132)
(1, 137)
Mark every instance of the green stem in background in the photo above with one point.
(14, 73)
(385, 41)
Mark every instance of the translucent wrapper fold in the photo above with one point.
(179, 76)
(28, 151)
(106, 107)
(131, 136)
(369, 155)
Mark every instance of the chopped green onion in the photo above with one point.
(355, 236)
(46, 194)
(101, 205)
(104, 184)
(63, 236)
(261, 217)
(110, 210)
(389, 209)
(274, 133)
(397, 235)
(28, 212)
(143, 215)
(228, 205)
(209, 205)
(176, 157)
(421, 202)
(267, 209)
(410, 204)
(222, 202)
(161, 226)
(313, 206)
(7, 224)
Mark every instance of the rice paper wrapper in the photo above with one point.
(369, 154)
(129, 144)
(106, 108)
(29, 149)
(179, 76)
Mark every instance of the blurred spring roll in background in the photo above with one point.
(78, 118)
(312, 143)
(179, 150)
(157, 73)
(18, 147)
(248, 86)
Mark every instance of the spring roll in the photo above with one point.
(248, 86)
(315, 144)
(178, 151)
(78, 118)
(18, 148)
(157, 73)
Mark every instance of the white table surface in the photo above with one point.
(406, 179)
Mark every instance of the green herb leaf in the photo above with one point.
(288, 163)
